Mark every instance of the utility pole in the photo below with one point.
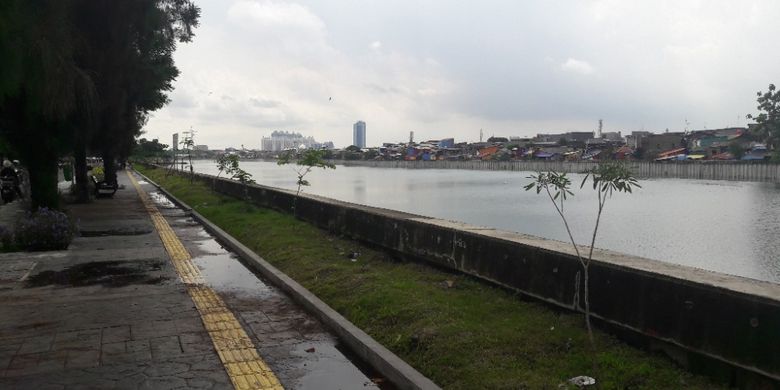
(175, 151)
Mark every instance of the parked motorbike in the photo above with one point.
(7, 188)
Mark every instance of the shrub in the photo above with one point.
(98, 173)
(45, 229)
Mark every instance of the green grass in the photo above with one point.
(469, 335)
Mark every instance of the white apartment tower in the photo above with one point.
(359, 134)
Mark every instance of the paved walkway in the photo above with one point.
(124, 309)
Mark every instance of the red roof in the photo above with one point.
(671, 152)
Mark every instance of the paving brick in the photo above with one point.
(113, 348)
(52, 361)
(166, 347)
(115, 334)
(37, 344)
(23, 362)
(77, 339)
(82, 358)
(138, 347)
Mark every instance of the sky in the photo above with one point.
(448, 69)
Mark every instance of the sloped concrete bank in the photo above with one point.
(723, 325)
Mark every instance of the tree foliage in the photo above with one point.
(767, 127)
(144, 149)
(308, 160)
(606, 179)
(78, 75)
(229, 164)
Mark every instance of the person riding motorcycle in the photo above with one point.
(8, 171)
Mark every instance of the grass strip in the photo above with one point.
(460, 332)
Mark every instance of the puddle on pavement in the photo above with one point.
(225, 273)
(105, 273)
(327, 366)
(209, 245)
(143, 182)
(161, 200)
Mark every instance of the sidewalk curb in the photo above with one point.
(369, 350)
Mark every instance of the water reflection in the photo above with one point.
(728, 227)
(359, 190)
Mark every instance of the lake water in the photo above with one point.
(729, 227)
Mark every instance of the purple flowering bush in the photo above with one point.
(44, 229)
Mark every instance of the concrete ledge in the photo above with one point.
(401, 374)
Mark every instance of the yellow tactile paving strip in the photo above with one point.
(238, 354)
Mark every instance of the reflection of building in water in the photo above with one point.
(282, 140)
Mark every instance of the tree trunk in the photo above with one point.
(109, 166)
(80, 173)
(43, 180)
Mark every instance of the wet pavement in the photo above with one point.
(294, 344)
(111, 311)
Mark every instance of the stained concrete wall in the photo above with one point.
(708, 321)
(710, 170)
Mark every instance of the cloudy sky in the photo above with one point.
(445, 69)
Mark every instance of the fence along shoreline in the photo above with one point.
(753, 172)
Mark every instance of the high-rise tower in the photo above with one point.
(359, 134)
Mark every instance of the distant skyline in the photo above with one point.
(448, 70)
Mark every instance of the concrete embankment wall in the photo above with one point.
(707, 321)
(762, 172)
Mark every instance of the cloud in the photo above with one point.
(273, 14)
(264, 103)
(577, 66)
(506, 67)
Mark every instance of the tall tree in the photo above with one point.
(43, 91)
(84, 74)
(130, 47)
(767, 126)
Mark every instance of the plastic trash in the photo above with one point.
(582, 381)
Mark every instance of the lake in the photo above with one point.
(728, 227)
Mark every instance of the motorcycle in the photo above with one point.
(7, 189)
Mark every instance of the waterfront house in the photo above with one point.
(656, 144)
(672, 154)
(487, 152)
(624, 153)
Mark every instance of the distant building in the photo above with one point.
(550, 137)
(447, 143)
(201, 148)
(614, 136)
(283, 140)
(634, 139)
(655, 144)
(572, 136)
(500, 140)
(578, 136)
(359, 134)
